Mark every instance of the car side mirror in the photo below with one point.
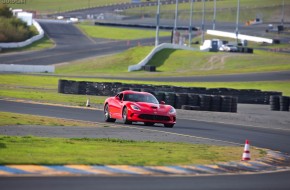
(117, 98)
(162, 102)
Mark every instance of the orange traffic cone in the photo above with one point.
(246, 154)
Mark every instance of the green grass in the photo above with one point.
(175, 62)
(112, 64)
(226, 10)
(115, 33)
(41, 44)
(8, 119)
(55, 6)
(50, 96)
(179, 63)
(37, 150)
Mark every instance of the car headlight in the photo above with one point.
(172, 110)
(136, 108)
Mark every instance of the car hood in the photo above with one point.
(152, 107)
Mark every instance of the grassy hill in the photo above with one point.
(178, 63)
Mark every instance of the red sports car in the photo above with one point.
(131, 106)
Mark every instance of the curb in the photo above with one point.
(272, 162)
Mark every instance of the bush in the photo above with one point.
(5, 12)
(13, 29)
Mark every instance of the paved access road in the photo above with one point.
(71, 44)
(261, 137)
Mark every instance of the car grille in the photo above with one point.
(154, 117)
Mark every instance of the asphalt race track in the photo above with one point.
(270, 181)
(71, 45)
(261, 137)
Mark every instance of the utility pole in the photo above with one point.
(283, 12)
(157, 24)
(190, 23)
(214, 15)
(202, 22)
(237, 22)
(175, 21)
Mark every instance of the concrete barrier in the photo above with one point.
(154, 51)
(240, 36)
(27, 68)
(26, 42)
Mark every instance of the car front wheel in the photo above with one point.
(107, 117)
(125, 116)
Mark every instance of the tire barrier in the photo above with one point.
(284, 103)
(279, 103)
(181, 99)
(226, 104)
(170, 98)
(216, 103)
(193, 99)
(234, 108)
(174, 95)
(150, 68)
(275, 103)
(205, 102)
(160, 96)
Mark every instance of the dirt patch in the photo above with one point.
(217, 62)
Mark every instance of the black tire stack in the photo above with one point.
(275, 103)
(205, 102)
(61, 85)
(193, 99)
(135, 89)
(181, 99)
(68, 87)
(234, 108)
(150, 68)
(216, 103)
(120, 89)
(284, 103)
(147, 90)
(279, 103)
(226, 103)
(82, 87)
(160, 96)
(170, 98)
(186, 107)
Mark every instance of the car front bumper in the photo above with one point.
(153, 118)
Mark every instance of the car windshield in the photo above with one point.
(140, 98)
